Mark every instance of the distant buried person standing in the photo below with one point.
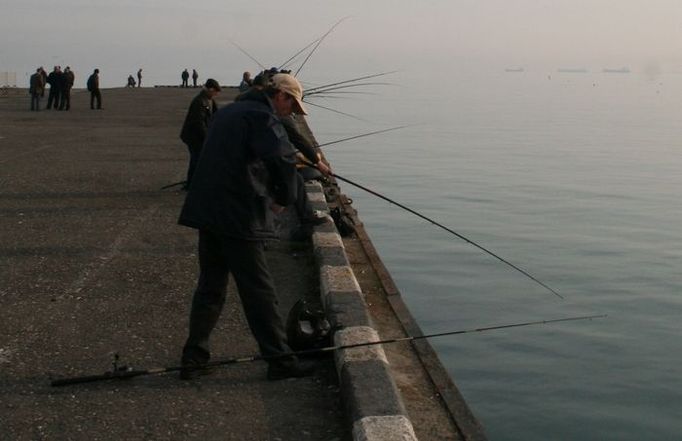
(195, 128)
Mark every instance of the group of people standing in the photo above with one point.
(61, 83)
(185, 78)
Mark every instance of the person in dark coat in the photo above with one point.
(307, 217)
(185, 78)
(54, 79)
(195, 77)
(245, 174)
(195, 128)
(36, 89)
(68, 79)
(139, 78)
(93, 87)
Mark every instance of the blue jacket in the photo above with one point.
(247, 162)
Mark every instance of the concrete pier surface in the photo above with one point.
(93, 264)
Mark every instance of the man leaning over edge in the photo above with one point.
(246, 173)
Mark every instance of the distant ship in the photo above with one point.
(515, 69)
(621, 70)
(572, 70)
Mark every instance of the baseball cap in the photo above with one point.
(289, 84)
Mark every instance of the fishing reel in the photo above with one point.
(118, 371)
(344, 224)
(307, 327)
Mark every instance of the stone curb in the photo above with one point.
(371, 397)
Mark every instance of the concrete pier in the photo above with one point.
(93, 264)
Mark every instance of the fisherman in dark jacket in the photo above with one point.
(195, 128)
(245, 174)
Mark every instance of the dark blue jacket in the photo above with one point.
(247, 162)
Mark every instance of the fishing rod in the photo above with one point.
(125, 372)
(248, 55)
(318, 44)
(335, 111)
(361, 136)
(449, 230)
(338, 95)
(175, 184)
(346, 86)
(366, 77)
(297, 54)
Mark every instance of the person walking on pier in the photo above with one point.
(245, 173)
(93, 87)
(195, 77)
(68, 79)
(185, 78)
(36, 89)
(195, 128)
(139, 78)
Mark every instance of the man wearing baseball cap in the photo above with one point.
(246, 173)
(289, 85)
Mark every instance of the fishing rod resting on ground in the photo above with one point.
(125, 372)
(449, 230)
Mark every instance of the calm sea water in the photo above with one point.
(575, 178)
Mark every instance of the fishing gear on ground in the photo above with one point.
(128, 372)
(307, 326)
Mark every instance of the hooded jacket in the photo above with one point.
(246, 163)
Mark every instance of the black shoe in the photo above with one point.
(193, 369)
(294, 370)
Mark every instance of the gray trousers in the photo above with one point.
(218, 257)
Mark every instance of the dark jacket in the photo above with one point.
(298, 139)
(195, 128)
(93, 82)
(37, 84)
(69, 78)
(54, 79)
(247, 162)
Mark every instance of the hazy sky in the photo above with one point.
(165, 36)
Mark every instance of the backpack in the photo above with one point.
(91, 83)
